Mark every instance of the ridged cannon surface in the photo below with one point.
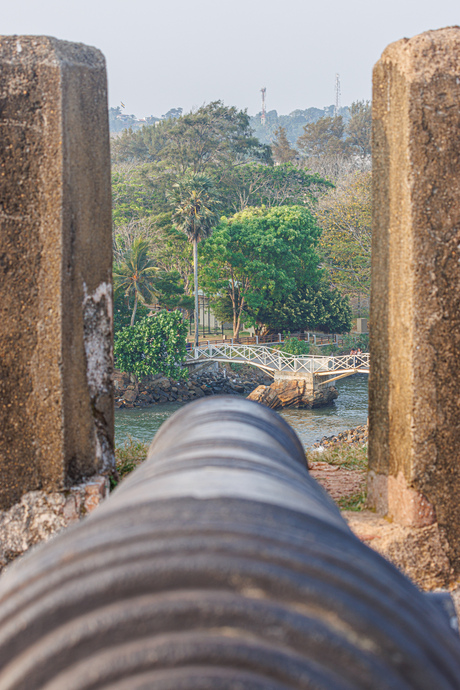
(219, 564)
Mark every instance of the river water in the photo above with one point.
(349, 410)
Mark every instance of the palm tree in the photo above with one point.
(196, 215)
(133, 275)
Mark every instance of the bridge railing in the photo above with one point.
(273, 359)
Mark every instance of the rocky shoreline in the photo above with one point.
(151, 390)
(356, 436)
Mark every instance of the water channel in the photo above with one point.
(349, 410)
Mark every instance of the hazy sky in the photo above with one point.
(182, 53)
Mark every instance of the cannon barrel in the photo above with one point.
(219, 564)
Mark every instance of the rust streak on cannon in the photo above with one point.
(219, 564)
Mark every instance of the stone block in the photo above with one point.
(72, 507)
(414, 433)
(95, 491)
(56, 400)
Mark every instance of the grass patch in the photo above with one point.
(127, 457)
(355, 502)
(349, 456)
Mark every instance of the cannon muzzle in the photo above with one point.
(219, 564)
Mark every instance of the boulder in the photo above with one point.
(265, 395)
(130, 396)
(164, 384)
(292, 393)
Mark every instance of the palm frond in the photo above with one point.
(134, 274)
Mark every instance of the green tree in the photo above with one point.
(134, 274)
(281, 148)
(323, 137)
(345, 216)
(310, 306)
(172, 250)
(256, 257)
(254, 184)
(170, 291)
(292, 123)
(211, 138)
(169, 250)
(125, 234)
(154, 345)
(138, 191)
(359, 128)
(122, 311)
(216, 140)
(195, 214)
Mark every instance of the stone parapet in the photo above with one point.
(392, 496)
(420, 553)
(414, 434)
(56, 400)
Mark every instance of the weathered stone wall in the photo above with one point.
(39, 515)
(414, 433)
(56, 401)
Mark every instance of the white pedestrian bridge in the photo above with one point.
(275, 361)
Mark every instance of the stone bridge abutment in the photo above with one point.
(296, 389)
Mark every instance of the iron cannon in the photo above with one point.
(219, 564)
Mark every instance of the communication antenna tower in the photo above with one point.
(337, 95)
(263, 91)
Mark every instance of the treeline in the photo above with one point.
(119, 120)
(285, 235)
(293, 123)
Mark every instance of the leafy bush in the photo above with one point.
(355, 340)
(330, 350)
(154, 345)
(316, 350)
(294, 346)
